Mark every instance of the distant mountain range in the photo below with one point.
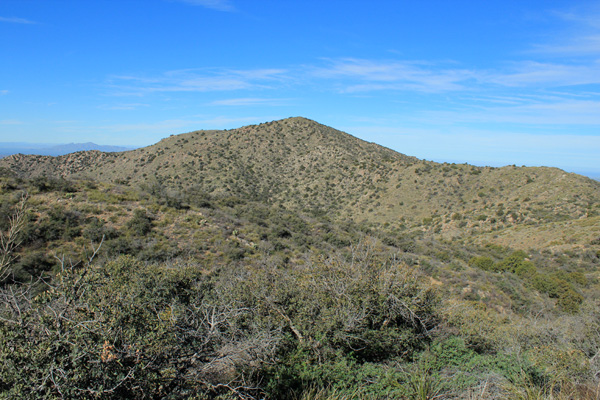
(9, 148)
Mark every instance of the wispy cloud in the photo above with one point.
(127, 106)
(580, 45)
(192, 80)
(560, 112)
(532, 73)
(219, 5)
(16, 20)
(582, 17)
(11, 122)
(524, 93)
(580, 38)
(359, 75)
(250, 101)
(3, 92)
(574, 112)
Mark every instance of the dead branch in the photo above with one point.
(291, 325)
(10, 240)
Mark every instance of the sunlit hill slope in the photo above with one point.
(300, 164)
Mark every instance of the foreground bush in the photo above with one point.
(132, 330)
(124, 330)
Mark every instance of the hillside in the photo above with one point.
(289, 260)
(121, 292)
(302, 165)
(267, 162)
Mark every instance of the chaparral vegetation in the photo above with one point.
(288, 260)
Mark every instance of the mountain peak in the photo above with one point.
(299, 163)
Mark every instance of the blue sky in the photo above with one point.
(484, 82)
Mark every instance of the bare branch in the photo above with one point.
(10, 240)
(96, 250)
(291, 325)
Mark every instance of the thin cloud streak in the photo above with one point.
(359, 75)
(368, 75)
(197, 81)
(527, 93)
(250, 101)
(128, 106)
(577, 46)
(581, 39)
(16, 20)
(532, 73)
(218, 5)
(571, 112)
(363, 76)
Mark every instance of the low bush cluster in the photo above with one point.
(555, 285)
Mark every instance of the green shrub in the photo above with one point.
(47, 184)
(451, 352)
(141, 223)
(526, 270)
(58, 224)
(512, 262)
(95, 230)
(567, 298)
(482, 262)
